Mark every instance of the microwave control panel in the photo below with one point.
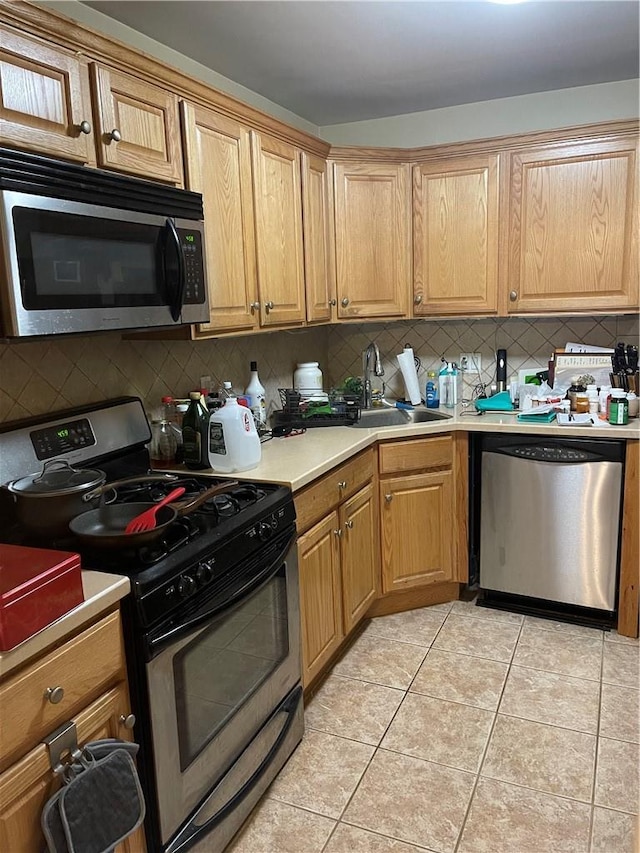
(62, 438)
(191, 244)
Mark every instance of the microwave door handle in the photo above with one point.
(175, 294)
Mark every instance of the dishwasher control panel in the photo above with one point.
(552, 453)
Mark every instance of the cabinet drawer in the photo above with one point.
(416, 454)
(322, 496)
(83, 667)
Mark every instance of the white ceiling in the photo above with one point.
(331, 62)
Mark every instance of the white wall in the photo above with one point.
(540, 111)
(110, 27)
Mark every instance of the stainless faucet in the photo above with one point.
(371, 350)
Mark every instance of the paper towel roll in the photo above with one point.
(410, 375)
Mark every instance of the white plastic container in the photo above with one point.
(233, 441)
(307, 379)
(255, 394)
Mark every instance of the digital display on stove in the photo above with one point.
(63, 438)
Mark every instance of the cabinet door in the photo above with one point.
(373, 239)
(455, 236)
(138, 126)
(416, 516)
(360, 555)
(44, 99)
(218, 165)
(29, 783)
(278, 206)
(320, 598)
(573, 228)
(315, 221)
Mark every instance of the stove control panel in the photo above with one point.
(62, 438)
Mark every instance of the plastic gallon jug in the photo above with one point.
(233, 441)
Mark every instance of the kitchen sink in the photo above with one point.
(378, 418)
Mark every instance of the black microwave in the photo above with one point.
(86, 250)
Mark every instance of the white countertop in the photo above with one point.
(101, 592)
(297, 460)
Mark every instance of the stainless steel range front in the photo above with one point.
(212, 626)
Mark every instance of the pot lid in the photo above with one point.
(60, 480)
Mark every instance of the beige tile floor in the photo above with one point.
(458, 729)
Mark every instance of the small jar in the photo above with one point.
(582, 403)
(573, 391)
(634, 404)
(307, 379)
(618, 407)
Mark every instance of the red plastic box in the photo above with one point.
(37, 586)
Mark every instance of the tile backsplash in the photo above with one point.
(56, 373)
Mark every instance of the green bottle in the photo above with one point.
(195, 426)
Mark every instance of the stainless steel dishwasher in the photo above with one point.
(550, 518)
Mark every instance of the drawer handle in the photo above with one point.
(349, 524)
(54, 694)
(388, 498)
(513, 295)
(338, 532)
(115, 135)
(344, 301)
(84, 127)
(128, 720)
(342, 484)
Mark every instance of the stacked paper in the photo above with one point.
(410, 375)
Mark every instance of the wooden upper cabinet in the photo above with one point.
(278, 219)
(317, 243)
(455, 236)
(45, 101)
(218, 165)
(373, 239)
(137, 126)
(573, 228)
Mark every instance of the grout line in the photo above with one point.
(595, 763)
(486, 746)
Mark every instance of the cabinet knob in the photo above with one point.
(417, 299)
(84, 127)
(269, 305)
(54, 694)
(338, 532)
(333, 302)
(342, 484)
(115, 135)
(344, 301)
(513, 295)
(254, 306)
(349, 524)
(388, 498)
(127, 720)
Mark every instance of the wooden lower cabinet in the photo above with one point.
(359, 555)
(416, 513)
(320, 595)
(27, 785)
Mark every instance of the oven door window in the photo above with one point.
(223, 665)
(72, 261)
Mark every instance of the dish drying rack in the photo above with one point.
(300, 412)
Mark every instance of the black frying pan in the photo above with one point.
(104, 527)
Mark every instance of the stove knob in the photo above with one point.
(274, 522)
(204, 573)
(186, 585)
(264, 530)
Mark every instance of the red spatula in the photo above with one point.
(147, 519)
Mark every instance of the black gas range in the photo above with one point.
(212, 626)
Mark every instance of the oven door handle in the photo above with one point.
(157, 644)
(288, 708)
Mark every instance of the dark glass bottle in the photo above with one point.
(195, 426)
